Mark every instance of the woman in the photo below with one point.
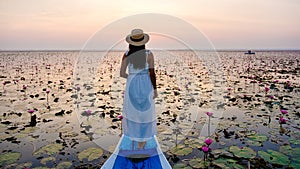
(138, 146)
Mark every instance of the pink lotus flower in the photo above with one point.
(24, 87)
(208, 141)
(267, 89)
(209, 113)
(31, 111)
(284, 111)
(48, 91)
(205, 149)
(88, 112)
(282, 120)
(271, 97)
(120, 117)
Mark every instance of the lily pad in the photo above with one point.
(181, 166)
(64, 165)
(41, 167)
(295, 163)
(274, 157)
(227, 163)
(254, 143)
(28, 130)
(24, 165)
(197, 163)
(48, 149)
(221, 152)
(194, 143)
(9, 158)
(47, 159)
(244, 152)
(90, 153)
(287, 149)
(294, 141)
(258, 137)
(181, 150)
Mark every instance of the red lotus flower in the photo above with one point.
(267, 89)
(284, 111)
(24, 87)
(205, 149)
(88, 112)
(31, 111)
(209, 113)
(208, 141)
(282, 120)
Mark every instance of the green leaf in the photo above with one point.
(47, 159)
(90, 153)
(227, 163)
(294, 141)
(41, 167)
(274, 157)
(181, 166)
(49, 149)
(221, 152)
(194, 143)
(197, 163)
(64, 165)
(287, 149)
(9, 158)
(244, 152)
(258, 137)
(181, 150)
(295, 163)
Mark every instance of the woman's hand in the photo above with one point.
(155, 94)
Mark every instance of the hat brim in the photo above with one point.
(139, 43)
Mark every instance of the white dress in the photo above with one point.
(139, 125)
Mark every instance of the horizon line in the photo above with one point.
(154, 49)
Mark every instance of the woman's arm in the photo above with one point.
(124, 66)
(152, 73)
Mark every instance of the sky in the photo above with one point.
(227, 24)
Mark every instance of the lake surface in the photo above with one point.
(245, 93)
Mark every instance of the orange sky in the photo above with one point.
(229, 24)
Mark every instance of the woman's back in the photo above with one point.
(132, 68)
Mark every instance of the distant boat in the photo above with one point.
(249, 52)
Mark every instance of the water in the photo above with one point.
(188, 86)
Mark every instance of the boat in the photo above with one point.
(249, 52)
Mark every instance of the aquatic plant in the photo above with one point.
(47, 92)
(209, 114)
(208, 141)
(4, 83)
(31, 111)
(282, 120)
(205, 150)
(120, 117)
(274, 157)
(284, 111)
(267, 89)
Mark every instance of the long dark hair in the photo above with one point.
(137, 56)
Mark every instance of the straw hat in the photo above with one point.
(137, 37)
